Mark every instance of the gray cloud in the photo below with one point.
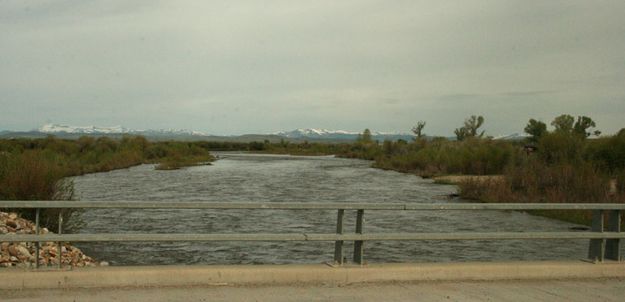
(260, 66)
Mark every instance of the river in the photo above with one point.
(277, 178)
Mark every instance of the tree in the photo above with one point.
(582, 125)
(461, 133)
(536, 129)
(472, 125)
(567, 124)
(418, 129)
(470, 128)
(563, 123)
(365, 137)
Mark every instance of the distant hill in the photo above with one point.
(57, 129)
(298, 135)
(324, 134)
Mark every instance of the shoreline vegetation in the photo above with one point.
(39, 169)
(563, 165)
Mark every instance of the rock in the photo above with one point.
(12, 250)
(104, 263)
(22, 253)
(11, 223)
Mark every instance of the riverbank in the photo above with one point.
(22, 254)
(39, 169)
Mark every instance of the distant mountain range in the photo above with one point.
(340, 135)
(297, 135)
(57, 129)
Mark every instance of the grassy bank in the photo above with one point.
(436, 157)
(559, 166)
(37, 169)
(537, 182)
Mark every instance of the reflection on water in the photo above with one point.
(263, 178)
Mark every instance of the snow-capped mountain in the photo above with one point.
(512, 137)
(55, 128)
(298, 134)
(312, 133)
(339, 134)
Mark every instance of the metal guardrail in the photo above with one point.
(604, 239)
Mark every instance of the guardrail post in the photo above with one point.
(37, 243)
(338, 245)
(612, 246)
(359, 244)
(59, 252)
(596, 248)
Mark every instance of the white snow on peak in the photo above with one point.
(513, 136)
(56, 128)
(312, 132)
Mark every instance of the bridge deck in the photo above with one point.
(202, 275)
(524, 290)
(503, 281)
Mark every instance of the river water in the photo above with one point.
(263, 178)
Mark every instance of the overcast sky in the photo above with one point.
(233, 67)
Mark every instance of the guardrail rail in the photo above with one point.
(604, 239)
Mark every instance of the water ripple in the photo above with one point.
(265, 178)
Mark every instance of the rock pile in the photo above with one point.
(23, 253)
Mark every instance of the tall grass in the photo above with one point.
(35, 175)
(439, 156)
(38, 169)
(566, 169)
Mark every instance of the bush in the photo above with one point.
(471, 156)
(561, 147)
(36, 169)
(33, 175)
(608, 153)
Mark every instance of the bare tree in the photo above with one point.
(418, 129)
